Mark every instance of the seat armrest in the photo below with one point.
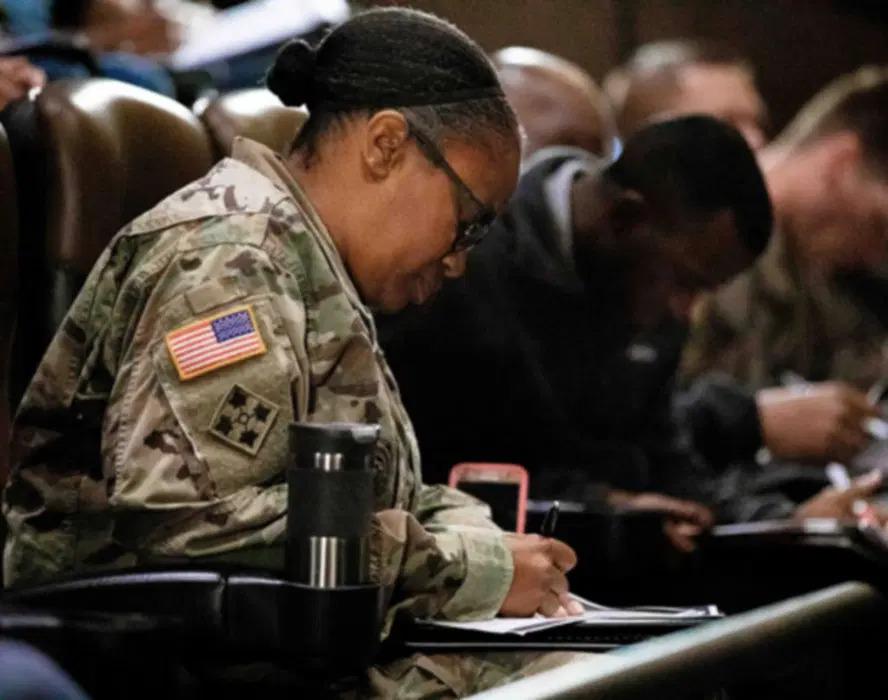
(195, 597)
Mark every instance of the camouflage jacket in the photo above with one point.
(134, 445)
(776, 318)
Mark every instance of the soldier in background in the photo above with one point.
(730, 421)
(791, 313)
(156, 426)
(557, 102)
(554, 332)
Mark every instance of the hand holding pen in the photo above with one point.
(829, 421)
(539, 581)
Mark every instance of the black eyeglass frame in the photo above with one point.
(468, 233)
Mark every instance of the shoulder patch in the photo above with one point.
(215, 342)
(243, 419)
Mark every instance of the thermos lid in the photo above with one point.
(354, 441)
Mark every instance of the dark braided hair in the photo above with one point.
(394, 58)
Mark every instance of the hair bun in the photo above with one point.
(291, 77)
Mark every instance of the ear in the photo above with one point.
(628, 212)
(385, 140)
(841, 155)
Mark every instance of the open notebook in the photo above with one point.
(599, 627)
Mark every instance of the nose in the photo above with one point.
(455, 264)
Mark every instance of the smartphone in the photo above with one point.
(501, 486)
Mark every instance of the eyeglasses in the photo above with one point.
(468, 233)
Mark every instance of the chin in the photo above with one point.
(383, 300)
(389, 305)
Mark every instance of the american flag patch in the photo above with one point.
(218, 341)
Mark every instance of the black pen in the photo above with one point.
(551, 519)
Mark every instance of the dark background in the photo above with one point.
(795, 45)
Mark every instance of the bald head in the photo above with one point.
(557, 102)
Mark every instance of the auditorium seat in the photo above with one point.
(8, 252)
(90, 155)
(256, 114)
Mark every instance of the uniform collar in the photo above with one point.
(271, 164)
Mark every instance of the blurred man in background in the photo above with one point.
(728, 421)
(569, 356)
(125, 38)
(175, 47)
(795, 317)
(114, 25)
(557, 102)
(669, 78)
(828, 177)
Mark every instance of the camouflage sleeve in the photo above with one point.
(460, 522)
(457, 572)
(447, 559)
(142, 435)
(198, 436)
(55, 438)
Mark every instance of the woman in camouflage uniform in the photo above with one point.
(156, 425)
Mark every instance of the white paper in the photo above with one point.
(594, 612)
(506, 625)
(597, 612)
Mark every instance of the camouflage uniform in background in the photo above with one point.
(129, 451)
(774, 318)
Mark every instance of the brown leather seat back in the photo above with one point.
(256, 114)
(94, 154)
(115, 151)
(8, 291)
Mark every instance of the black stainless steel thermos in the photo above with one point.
(330, 492)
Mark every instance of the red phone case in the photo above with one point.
(510, 473)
